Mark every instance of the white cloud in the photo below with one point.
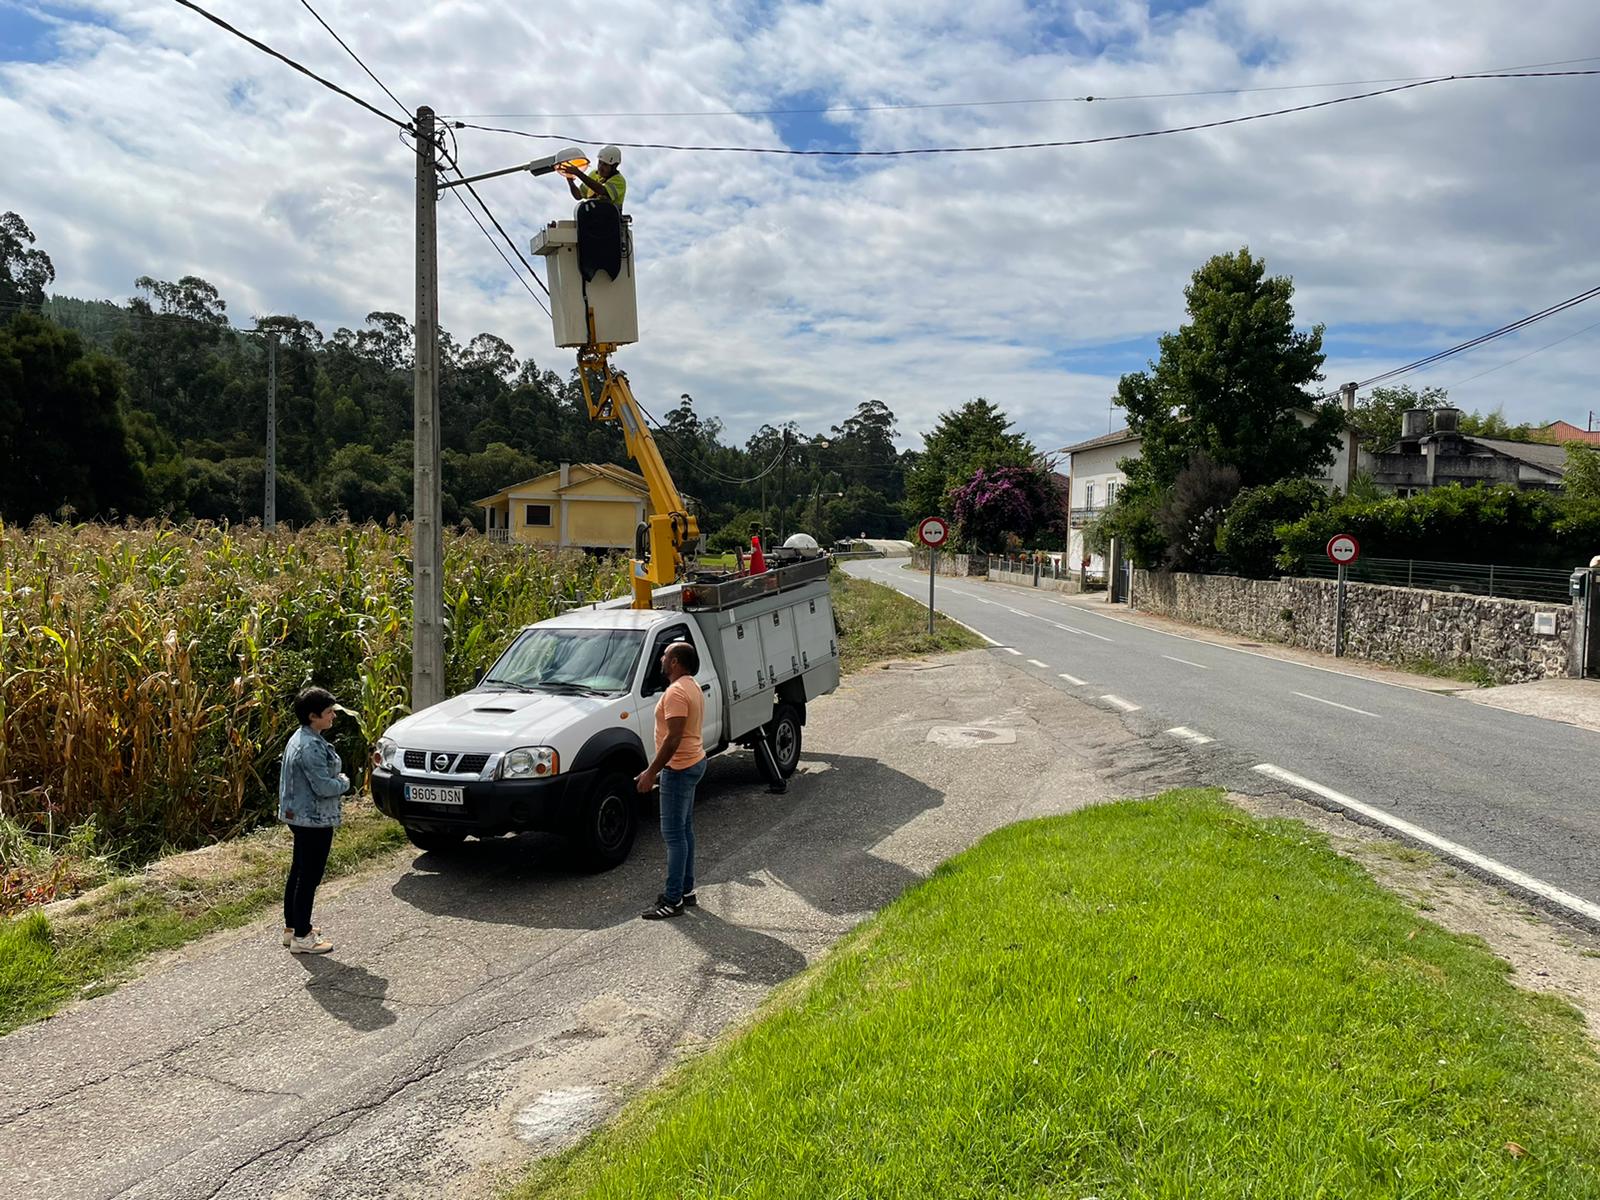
(773, 286)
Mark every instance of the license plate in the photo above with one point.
(419, 793)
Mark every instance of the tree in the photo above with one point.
(63, 442)
(1193, 512)
(962, 442)
(1581, 483)
(1022, 502)
(24, 272)
(1377, 415)
(1249, 538)
(1232, 382)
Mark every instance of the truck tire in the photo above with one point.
(608, 821)
(435, 841)
(783, 733)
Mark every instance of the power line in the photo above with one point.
(1520, 357)
(283, 58)
(1482, 338)
(1050, 145)
(357, 57)
(938, 104)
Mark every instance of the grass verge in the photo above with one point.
(1160, 998)
(1471, 670)
(91, 946)
(877, 622)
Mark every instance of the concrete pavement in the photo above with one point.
(490, 1005)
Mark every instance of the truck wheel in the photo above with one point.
(435, 841)
(784, 734)
(609, 820)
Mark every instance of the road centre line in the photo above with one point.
(1190, 735)
(1511, 875)
(1119, 702)
(1185, 662)
(1073, 680)
(1333, 703)
(1042, 666)
(1074, 629)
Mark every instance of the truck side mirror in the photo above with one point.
(477, 676)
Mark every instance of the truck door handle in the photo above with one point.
(706, 688)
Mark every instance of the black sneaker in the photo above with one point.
(690, 900)
(661, 910)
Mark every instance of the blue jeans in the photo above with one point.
(677, 827)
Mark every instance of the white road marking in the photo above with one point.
(1185, 662)
(1080, 632)
(1119, 702)
(1073, 680)
(1444, 845)
(1332, 703)
(1189, 735)
(1009, 650)
(970, 629)
(1040, 665)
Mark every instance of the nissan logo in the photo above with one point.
(441, 762)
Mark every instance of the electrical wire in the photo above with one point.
(937, 104)
(357, 57)
(705, 467)
(283, 58)
(1482, 338)
(1049, 145)
(1520, 357)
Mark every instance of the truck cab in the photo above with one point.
(553, 735)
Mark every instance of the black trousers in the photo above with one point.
(310, 860)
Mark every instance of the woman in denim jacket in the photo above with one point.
(311, 783)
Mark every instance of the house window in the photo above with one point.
(1088, 495)
(1111, 491)
(538, 514)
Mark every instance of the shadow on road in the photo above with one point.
(739, 953)
(816, 840)
(350, 993)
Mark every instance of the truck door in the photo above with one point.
(655, 683)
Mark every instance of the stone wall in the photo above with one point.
(960, 565)
(1067, 583)
(1385, 624)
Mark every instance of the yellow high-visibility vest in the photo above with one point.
(616, 188)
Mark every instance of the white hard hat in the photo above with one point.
(610, 154)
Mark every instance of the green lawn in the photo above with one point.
(45, 963)
(1158, 998)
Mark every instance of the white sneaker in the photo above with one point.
(314, 943)
(288, 933)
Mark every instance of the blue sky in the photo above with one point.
(146, 141)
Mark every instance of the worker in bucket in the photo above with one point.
(607, 183)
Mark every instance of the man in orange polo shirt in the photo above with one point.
(680, 763)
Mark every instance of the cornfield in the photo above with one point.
(147, 671)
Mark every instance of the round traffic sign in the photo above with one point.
(1343, 549)
(933, 532)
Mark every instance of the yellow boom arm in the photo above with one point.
(671, 528)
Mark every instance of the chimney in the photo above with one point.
(566, 474)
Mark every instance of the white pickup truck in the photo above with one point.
(554, 733)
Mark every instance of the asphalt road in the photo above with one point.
(1517, 789)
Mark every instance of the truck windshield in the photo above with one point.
(598, 660)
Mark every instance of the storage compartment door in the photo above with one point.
(777, 641)
(813, 622)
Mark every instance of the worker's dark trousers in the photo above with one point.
(311, 846)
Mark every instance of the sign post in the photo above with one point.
(1342, 551)
(933, 533)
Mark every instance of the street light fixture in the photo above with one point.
(570, 156)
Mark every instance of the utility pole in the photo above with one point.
(269, 512)
(427, 558)
(783, 489)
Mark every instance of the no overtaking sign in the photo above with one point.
(1343, 549)
(933, 532)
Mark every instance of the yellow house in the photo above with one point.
(590, 506)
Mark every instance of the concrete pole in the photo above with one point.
(427, 559)
(269, 510)
(1347, 397)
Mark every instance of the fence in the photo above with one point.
(1482, 579)
(1050, 567)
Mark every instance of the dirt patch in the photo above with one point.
(1546, 954)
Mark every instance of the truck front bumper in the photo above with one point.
(491, 807)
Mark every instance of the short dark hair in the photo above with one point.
(686, 656)
(311, 702)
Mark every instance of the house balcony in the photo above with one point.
(1077, 518)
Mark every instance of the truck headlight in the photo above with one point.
(530, 762)
(383, 753)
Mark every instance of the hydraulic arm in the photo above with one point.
(658, 554)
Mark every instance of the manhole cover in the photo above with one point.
(970, 735)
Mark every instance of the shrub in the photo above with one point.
(1249, 538)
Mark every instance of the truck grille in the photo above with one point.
(445, 762)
